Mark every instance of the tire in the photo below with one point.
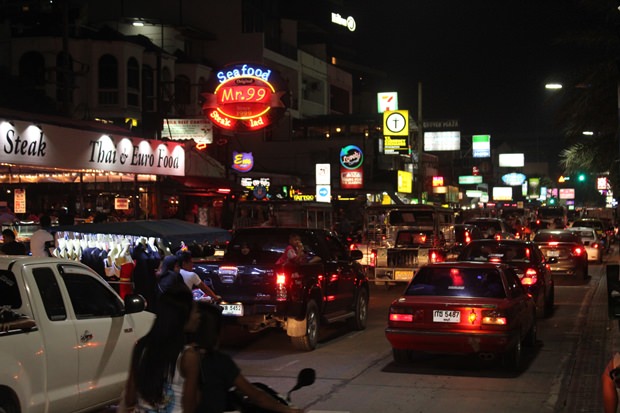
(358, 321)
(309, 340)
(512, 358)
(7, 403)
(401, 356)
(532, 335)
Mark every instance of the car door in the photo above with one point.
(60, 347)
(522, 304)
(104, 336)
(340, 276)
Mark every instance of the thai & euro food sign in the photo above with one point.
(245, 98)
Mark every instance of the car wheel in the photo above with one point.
(512, 358)
(401, 356)
(7, 403)
(532, 335)
(308, 341)
(360, 317)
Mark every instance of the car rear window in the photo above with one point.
(557, 237)
(457, 282)
(9, 292)
(489, 251)
(584, 234)
(589, 224)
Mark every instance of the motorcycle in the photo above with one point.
(239, 402)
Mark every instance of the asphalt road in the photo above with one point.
(356, 373)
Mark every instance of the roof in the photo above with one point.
(170, 230)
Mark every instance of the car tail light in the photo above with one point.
(494, 317)
(577, 251)
(352, 247)
(467, 237)
(281, 291)
(435, 257)
(498, 236)
(554, 243)
(595, 245)
(530, 277)
(401, 314)
(372, 260)
(472, 317)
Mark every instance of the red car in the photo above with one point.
(463, 308)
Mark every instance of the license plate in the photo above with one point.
(403, 275)
(235, 310)
(444, 316)
(553, 253)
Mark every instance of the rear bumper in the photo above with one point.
(451, 342)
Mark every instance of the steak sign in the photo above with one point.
(246, 98)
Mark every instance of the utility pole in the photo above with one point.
(420, 148)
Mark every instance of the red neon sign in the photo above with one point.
(243, 100)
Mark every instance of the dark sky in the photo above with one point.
(483, 62)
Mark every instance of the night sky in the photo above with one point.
(483, 62)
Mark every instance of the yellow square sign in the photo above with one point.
(396, 122)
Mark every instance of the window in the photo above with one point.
(133, 82)
(65, 79)
(9, 292)
(148, 88)
(182, 90)
(108, 80)
(91, 299)
(32, 69)
(514, 286)
(50, 293)
(457, 282)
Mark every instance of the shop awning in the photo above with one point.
(207, 184)
(170, 230)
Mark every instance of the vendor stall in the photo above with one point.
(127, 254)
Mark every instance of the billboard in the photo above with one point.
(502, 193)
(442, 141)
(481, 146)
(511, 160)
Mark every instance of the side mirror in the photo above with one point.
(134, 303)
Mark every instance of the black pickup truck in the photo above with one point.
(259, 294)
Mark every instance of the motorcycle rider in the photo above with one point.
(219, 372)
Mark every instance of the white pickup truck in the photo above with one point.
(65, 336)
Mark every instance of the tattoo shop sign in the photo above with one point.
(61, 147)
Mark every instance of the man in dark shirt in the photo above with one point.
(10, 245)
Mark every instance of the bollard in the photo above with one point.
(613, 291)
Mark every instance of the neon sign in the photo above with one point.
(246, 98)
(243, 161)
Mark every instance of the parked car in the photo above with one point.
(565, 252)
(463, 308)
(592, 242)
(528, 262)
(492, 228)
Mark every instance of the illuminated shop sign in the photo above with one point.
(246, 98)
(348, 22)
(47, 145)
(481, 146)
(250, 183)
(351, 157)
(470, 179)
(437, 181)
(514, 179)
(242, 161)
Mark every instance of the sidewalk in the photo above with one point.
(600, 338)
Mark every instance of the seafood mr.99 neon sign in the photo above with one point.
(246, 98)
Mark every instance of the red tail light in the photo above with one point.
(595, 245)
(530, 277)
(352, 247)
(498, 236)
(467, 237)
(281, 291)
(494, 317)
(401, 314)
(577, 251)
(435, 257)
(372, 260)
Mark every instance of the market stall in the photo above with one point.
(127, 254)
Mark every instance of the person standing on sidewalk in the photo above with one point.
(610, 383)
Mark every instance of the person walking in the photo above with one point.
(39, 240)
(164, 371)
(169, 274)
(218, 371)
(10, 245)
